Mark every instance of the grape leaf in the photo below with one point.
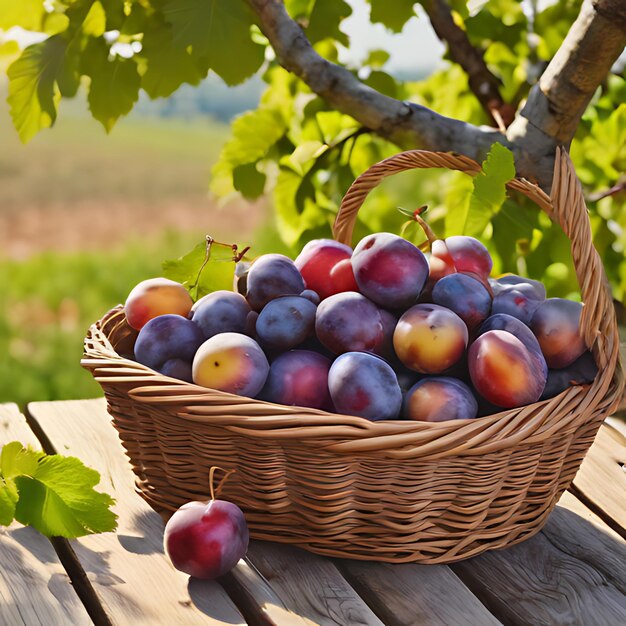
(325, 19)
(168, 66)
(9, 497)
(59, 500)
(16, 460)
(248, 181)
(33, 94)
(218, 273)
(394, 15)
(214, 29)
(25, 13)
(114, 83)
(52, 493)
(489, 189)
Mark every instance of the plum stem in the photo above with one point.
(217, 489)
(415, 216)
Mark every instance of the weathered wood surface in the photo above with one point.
(416, 594)
(134, 581)
(601, 481)
(34, 587)
(572, 572)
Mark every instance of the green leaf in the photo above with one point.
(489, 189)
(33, 94)
(218, 34)
(325, 20)
(394, 15)
(114, 85)
(95, 22)
(9, 497)
(377, 58)
(16, 460)
(252, 136)
(168, 66)
(25, 13)
(383, 83)
(217, 274)
(299, 9)
(59, 500)
(248, 181)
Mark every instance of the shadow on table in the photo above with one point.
(150, 540)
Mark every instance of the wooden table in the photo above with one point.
(572, 572)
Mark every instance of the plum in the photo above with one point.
(349, 322)
(556, 324)
(581, 372)
(154, 297)
(389, 270)
(167, 337)
(285, 322)
(504, 371)
(221, 312)
(430, 338)
(464, 295)
(365, 385)
(271, 276)
(299, 378)
(439, 398)
(317, 262)
(206, 539)
(231, 362)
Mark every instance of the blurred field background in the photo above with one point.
(85, 216)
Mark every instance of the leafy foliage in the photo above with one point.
(52, 493)
(305, 154)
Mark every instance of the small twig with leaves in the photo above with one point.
(210, 242)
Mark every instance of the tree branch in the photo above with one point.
(406, 124)
(484, 85)
(556, 103)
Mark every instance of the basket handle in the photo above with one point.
(565, 205)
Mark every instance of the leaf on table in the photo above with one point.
(16, 460)
(60, 499)
(8, 499)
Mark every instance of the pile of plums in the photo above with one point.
(381, 332)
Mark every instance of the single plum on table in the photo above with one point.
(581, 372)
(504, 371)
(464, 295)
(167, 337)
(298, 378)
(348, 322)
(365, 385)
(221, 312)
(317, 263)
(231, 362)
(285, 322)
(389, 270)
(154, 297)
(271, 276)
(430, 338)
(206, 539)
(556, 324)
(439, 398)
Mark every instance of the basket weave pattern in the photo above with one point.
(395, 491)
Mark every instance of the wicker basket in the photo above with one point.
(395, 491)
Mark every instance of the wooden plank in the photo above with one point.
(408, 594)
(310, 585)
(128, 569)
(572, 572)
(601, 480)
(34, 587)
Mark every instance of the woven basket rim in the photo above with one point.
(258, 418)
